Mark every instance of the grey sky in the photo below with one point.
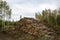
(28, 8)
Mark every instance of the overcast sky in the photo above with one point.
(28, 8)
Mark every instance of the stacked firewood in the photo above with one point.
(34, 27)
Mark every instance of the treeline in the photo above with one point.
(52, 16)
(5, 14)
(7, 23)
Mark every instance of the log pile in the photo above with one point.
(35, 27)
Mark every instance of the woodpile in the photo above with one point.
(34, 27)
(31, 27)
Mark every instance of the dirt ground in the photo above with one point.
(6, 37)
